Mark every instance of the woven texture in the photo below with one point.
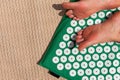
(26, 27)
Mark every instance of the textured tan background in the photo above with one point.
(26, 27)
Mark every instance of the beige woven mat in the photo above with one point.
(26, 27)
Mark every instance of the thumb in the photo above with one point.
(68, 5)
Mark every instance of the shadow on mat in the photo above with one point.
(59, 7)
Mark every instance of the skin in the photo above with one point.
(84, 8)
(100, 33)
(105, 32)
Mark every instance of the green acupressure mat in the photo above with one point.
(97, 62)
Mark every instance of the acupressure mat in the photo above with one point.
(97, 62)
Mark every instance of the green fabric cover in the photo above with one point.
(96, 62)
